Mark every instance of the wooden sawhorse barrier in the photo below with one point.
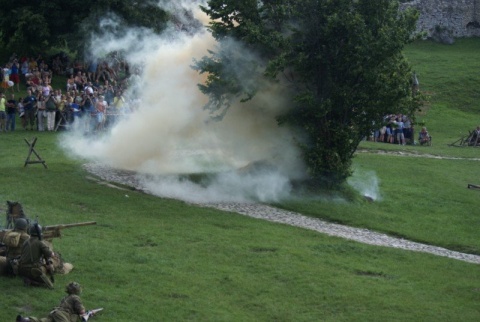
(61, 122)
(32, 150)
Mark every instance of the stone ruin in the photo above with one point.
(445, 20)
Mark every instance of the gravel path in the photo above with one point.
(265, 212)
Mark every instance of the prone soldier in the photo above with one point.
(70, 308)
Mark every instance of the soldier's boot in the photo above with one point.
(47, 280)
(29, 319)
(27, 281)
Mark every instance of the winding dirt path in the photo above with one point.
(264, 212)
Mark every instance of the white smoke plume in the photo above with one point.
(366, 183)
(170, 135)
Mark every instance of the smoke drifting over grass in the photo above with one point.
(366, 183)
(230, 186)
(247, 156)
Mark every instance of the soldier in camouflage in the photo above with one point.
(70, 309)
(13, 241)
(35, 263)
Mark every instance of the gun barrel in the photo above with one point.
(89, 313)
(62, 226)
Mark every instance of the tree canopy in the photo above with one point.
(31, 26)
(342, 58)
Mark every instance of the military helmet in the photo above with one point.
(21, 224)
(73, 288)
(35, 230)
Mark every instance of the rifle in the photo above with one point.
(54, 231)
(90, 313)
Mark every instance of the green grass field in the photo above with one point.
(155, 259)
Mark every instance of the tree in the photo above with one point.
(31, 26)
(343, 59)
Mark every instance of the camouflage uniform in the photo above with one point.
(69, 310)
(35, 259)
(21, 226)
(3, 265)
(13, 251)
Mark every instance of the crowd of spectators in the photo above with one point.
(92, 98)
(398, 129)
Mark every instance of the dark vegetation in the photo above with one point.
(343, 61)
(33, 27)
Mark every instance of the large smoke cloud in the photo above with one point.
(170, 135)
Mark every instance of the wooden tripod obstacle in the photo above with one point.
(472, 139)
(31, 150)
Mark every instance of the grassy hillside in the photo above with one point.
(154, 259)
(449, 74)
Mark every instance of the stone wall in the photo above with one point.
(455, 18)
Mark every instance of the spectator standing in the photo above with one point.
(51, 110)
(119, 102)
(118, 107)
(32, 65)
(71, 83)
(408, 130)
(88, 107)
(92, 70)
(11, 112)
(46, 89)
(79, 85)
(14, 75)
(85, 79)
(3, 115)
(6, 78)
(381, 136)
(30, 107)
(399, 130)
(89, 88)
(109, 94)
(24, 69)
(101, 107)
(61, 114)
(41, 113)
(46, 73)
(76, 114)
(390, 130)
(21, 112)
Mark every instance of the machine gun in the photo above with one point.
(90, 313)
(54, 231)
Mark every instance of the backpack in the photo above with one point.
(11, 238)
